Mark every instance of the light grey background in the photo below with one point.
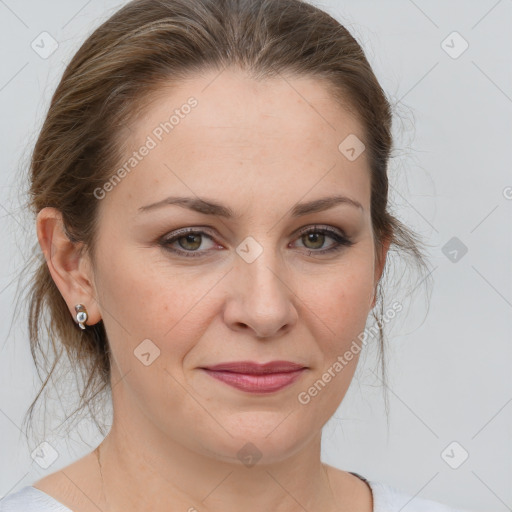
(449, 363)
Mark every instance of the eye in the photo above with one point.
(314, 238)
(190, 240)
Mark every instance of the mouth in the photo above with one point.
(255, 377)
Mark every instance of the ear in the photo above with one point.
(379, 267)
(71, 271)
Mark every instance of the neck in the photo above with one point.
(161, 476)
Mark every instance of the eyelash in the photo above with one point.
(341, 241)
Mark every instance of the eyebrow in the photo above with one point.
(209, 207)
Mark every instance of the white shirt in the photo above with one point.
(385, 499)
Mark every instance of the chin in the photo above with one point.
(258, 438)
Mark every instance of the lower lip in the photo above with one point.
(263, 383)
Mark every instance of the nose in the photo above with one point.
(261, 298)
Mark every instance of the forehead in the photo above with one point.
(224, 134)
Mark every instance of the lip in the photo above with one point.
(254, 377)
(253, 368)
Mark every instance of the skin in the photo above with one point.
(258, 148)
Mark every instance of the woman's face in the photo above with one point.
(248, 284)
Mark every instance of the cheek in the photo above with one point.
(153, 320)
(340, 298)
(152, 301)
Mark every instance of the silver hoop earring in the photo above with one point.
(81, 315)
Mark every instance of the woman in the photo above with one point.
(211, 197)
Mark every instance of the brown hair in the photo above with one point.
(151, 43)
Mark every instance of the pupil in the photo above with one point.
(190, 239)
(315, 237)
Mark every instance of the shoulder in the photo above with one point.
(387, 498)
(30, 499)
(55, 492)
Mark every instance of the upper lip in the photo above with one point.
(251, 367)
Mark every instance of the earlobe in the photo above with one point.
(64, 260)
